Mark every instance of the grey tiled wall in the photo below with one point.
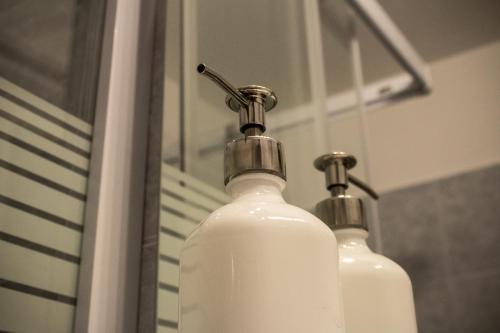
(446, 234)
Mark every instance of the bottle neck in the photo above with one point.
(256, 187)
(352, 239)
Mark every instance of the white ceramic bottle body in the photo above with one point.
(259, 265)
(377, 292)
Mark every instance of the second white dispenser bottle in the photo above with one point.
(258, 264)
(377, 292)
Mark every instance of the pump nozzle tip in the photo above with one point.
(201, 68)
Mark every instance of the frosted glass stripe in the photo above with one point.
(168, 305)
(212, 192)
(42, 153)
(43, 124)
(44, 105)
(190, 195)
(33, 228)
(167, 323)
(176, 223)
(184, 208)
(42, 167)
(172, 260)
(38, 270)
(40, 196)
(61, 142)
(170, 246)
(168, 287)
(40, 213)
(44, 144)
(38, 247)
(41, 180)
(168, 273)
(20, 312)
(164, 329)
(171, 232)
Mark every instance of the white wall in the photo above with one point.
(453, 130)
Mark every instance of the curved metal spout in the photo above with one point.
(364, 186)
(221, 82)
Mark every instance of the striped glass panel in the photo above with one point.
(44, 160)
(23, 115)
(185, 202)
(169, 172)
(45, 109)
(29, 137)
(33, 163)
(26, 312)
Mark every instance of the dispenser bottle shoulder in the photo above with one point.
(254, 216)
(377, 295)
(356, 258)
(372, 264)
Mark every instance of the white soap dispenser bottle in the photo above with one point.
(377, 292)
(258, 264)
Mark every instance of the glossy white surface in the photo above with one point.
(377, 292)
(260, 265)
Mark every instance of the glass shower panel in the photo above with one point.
(261, 42)
(185, 200)
(336, 33)
(342, 34)
(343, 128)
(378, 63)
(339, 31)
(49, 61)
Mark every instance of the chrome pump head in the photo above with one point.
(341, 210)
(254, 152)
